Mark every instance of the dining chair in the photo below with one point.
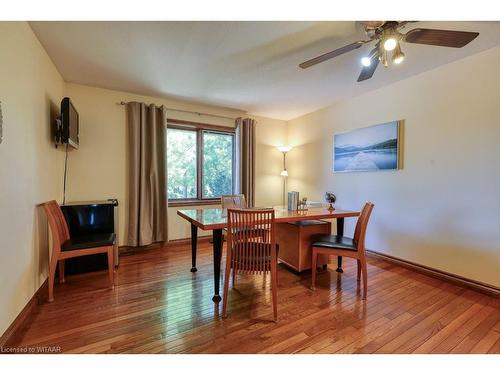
(249, 254)
(345, 246)
(238, 201)
(233, 201)
(64, 247)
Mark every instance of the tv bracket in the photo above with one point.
(58, 130)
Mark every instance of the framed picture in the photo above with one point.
(374, 148)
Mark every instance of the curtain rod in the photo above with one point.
(196, 113)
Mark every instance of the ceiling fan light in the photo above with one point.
(398, 58)
(366, 61)
(390, 43)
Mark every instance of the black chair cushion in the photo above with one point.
(334, 242)
(89, 241)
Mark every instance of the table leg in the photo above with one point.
(194, 244)
(340, 232)
(217, 237)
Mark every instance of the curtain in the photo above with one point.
(245, 159)
(147, 206)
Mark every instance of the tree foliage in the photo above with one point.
(217, 162)
(181, 164)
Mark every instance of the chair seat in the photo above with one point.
(89, 241)
(252, 232)
(334, 242)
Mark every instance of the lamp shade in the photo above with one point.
(284, 173)
(284, 149)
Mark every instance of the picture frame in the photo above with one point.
(369, 149)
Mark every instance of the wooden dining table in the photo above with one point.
(215, 219)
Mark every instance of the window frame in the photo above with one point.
(199, 128)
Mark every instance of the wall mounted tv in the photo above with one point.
(67, 125)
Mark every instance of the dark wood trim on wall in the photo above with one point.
(124, 250)
(187, 241)
(193, 202)
(25, 317)
(183, 124)
(438, 274)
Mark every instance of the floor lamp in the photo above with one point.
(284, 172)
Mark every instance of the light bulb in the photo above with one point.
(366, 61)
(390, 44)
(398, 59)
(398, 56)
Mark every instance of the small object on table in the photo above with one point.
(303, 204)
(293, 200)
(331, 199)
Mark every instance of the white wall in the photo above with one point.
(30, 167)
(440, 210)
(98, 169)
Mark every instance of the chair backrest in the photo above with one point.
(233, 201)
(57, 224)
(361, 225)
(251, 240)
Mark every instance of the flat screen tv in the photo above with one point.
(69, 124)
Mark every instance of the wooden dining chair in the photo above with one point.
(233, 201)
(345, 246)
(239, 201)
(64, 247)
(249, 254)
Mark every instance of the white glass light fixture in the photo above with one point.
(398, 56)
(390, 43)
(284, 172)
(284, 149)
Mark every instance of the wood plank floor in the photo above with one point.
(158, 306)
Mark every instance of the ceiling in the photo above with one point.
(250, 66)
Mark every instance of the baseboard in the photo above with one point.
(187, 241)
(442, 275)
(23, 320)
(172, 243)
(123, 250)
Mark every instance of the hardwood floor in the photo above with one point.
(158, 306)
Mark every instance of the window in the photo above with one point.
(217, 164)
(200, 162)
(181, 164)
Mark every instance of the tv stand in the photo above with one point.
(84, 218)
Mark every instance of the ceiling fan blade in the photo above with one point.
(367, 71)
(332, 54)
(444, 38)
(372, 25)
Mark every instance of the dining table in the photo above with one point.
(215, 219)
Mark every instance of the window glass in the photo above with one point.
(181, 164)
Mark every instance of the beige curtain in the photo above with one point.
(147, 206)
(245, 159)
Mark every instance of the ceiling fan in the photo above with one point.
(388, 39)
